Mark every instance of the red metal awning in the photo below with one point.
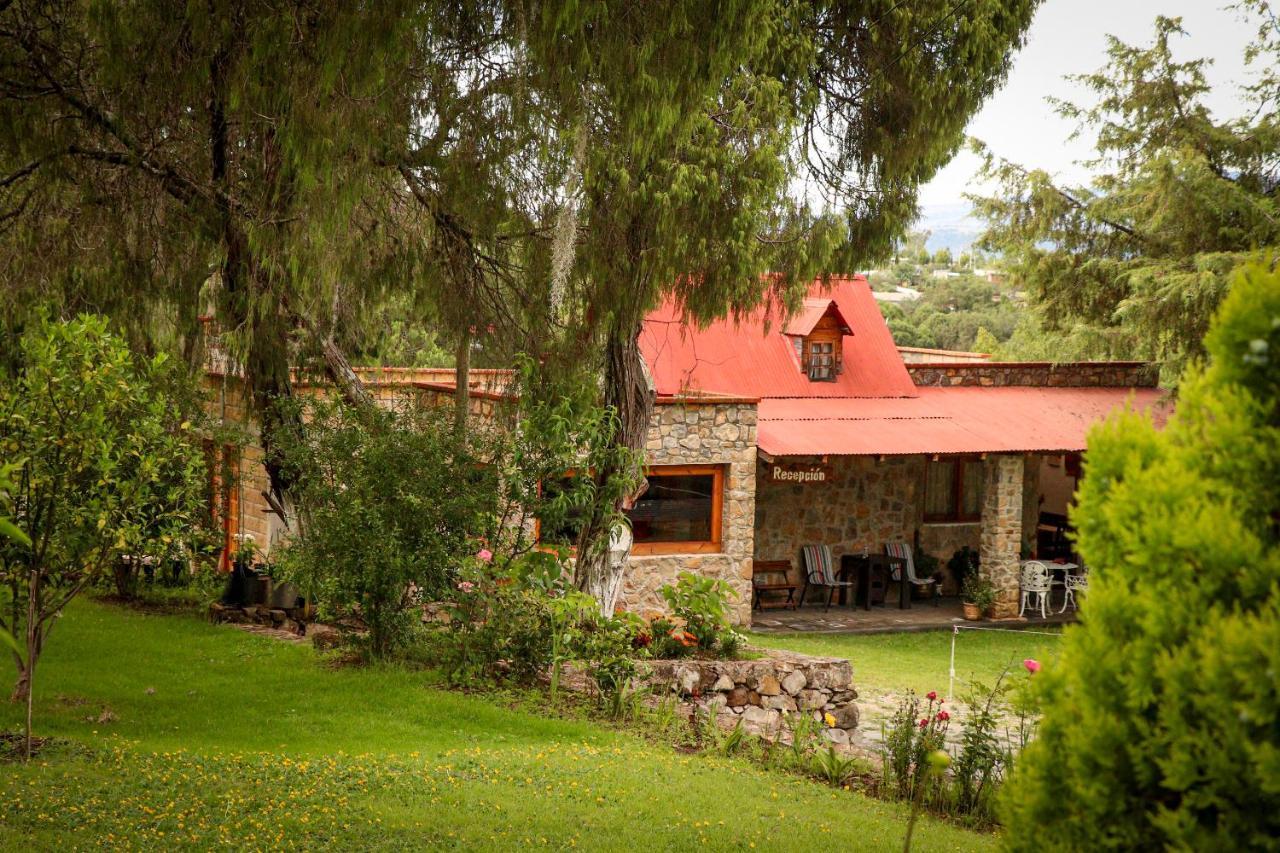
(947, 420)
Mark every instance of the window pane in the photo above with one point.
(939, 489)
(971, 490)
(675, 508)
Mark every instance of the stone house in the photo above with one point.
(770, 433)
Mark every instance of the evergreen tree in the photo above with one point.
(711, 143)
(1143, 254)
(1161, 724)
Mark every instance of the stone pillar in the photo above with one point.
(1002, 530)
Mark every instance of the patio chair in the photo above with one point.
(1074, 583)
(1037, 583)
(819, 570)
(902, 551)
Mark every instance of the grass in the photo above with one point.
(173, 733)
(920, 661)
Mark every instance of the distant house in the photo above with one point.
(899, 294)
(774, 433)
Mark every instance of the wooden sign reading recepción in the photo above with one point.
(798, 472)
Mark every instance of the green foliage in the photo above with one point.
(961, 313)
(908, 737)
(391, 501)
(1161, 716)
(701, 604)
(108, 467)
(978, 591)
(1134, 264)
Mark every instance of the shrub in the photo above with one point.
(908, 738)
(699, 605)
(1162, 719)
(390, 501)
(978, 591)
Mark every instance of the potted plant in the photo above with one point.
(978, 595)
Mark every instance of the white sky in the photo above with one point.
(1069, 37)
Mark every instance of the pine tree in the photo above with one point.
(1161, 724)
(1135, 263)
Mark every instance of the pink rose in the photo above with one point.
(931, 695)
(466, 586)
(484, 555)
(1032, 665)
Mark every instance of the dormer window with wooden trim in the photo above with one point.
(817, 333)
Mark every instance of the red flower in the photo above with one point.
(924, 722)
(931, 695)
(943, 716)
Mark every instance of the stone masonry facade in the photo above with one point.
(1041, 374)
(703, 432)
(1002, 517)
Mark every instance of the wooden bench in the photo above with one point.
(772, 576)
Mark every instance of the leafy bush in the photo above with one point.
(1162, 719)
(978, 591)
(909, 737)
(390, 502)
(699, 607)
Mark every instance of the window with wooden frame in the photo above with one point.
(953, 489)
(680, 512)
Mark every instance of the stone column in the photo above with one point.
(1002, 530)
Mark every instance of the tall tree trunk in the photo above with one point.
(462, 384)
(629, 390)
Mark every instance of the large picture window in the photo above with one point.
(679, 512)
(953, 490)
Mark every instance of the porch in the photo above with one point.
(923, 616)
(997, 507)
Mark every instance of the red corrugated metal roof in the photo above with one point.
(811, 311)
(743, 359)
(947, 420)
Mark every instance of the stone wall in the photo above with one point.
(865, 504)
(695, 432)
(1002, 510)
(758, 693)
(1043, 374)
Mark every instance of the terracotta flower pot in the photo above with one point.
(972, 612)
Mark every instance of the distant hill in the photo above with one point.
(950, 225)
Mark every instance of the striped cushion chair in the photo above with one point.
(902, 551)
(819, 570)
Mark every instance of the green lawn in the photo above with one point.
(182, 734)
(920, 661)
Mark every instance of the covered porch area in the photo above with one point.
(814, 619)
(952, 474)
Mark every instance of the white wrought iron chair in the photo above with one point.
(1037, 582)
(1074, 583)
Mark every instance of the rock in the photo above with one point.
(780, 703)
(723, 683)
(761, 720)
(811, 700)
(836, 735)
(769, 686)
(740, 696)
(716, 703)
(794, 682)
(686, 679)
(841, 697)
(846, 716)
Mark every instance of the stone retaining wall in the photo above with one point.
(1043, 374)
(759, 693)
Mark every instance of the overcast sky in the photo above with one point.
(1069, 37)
